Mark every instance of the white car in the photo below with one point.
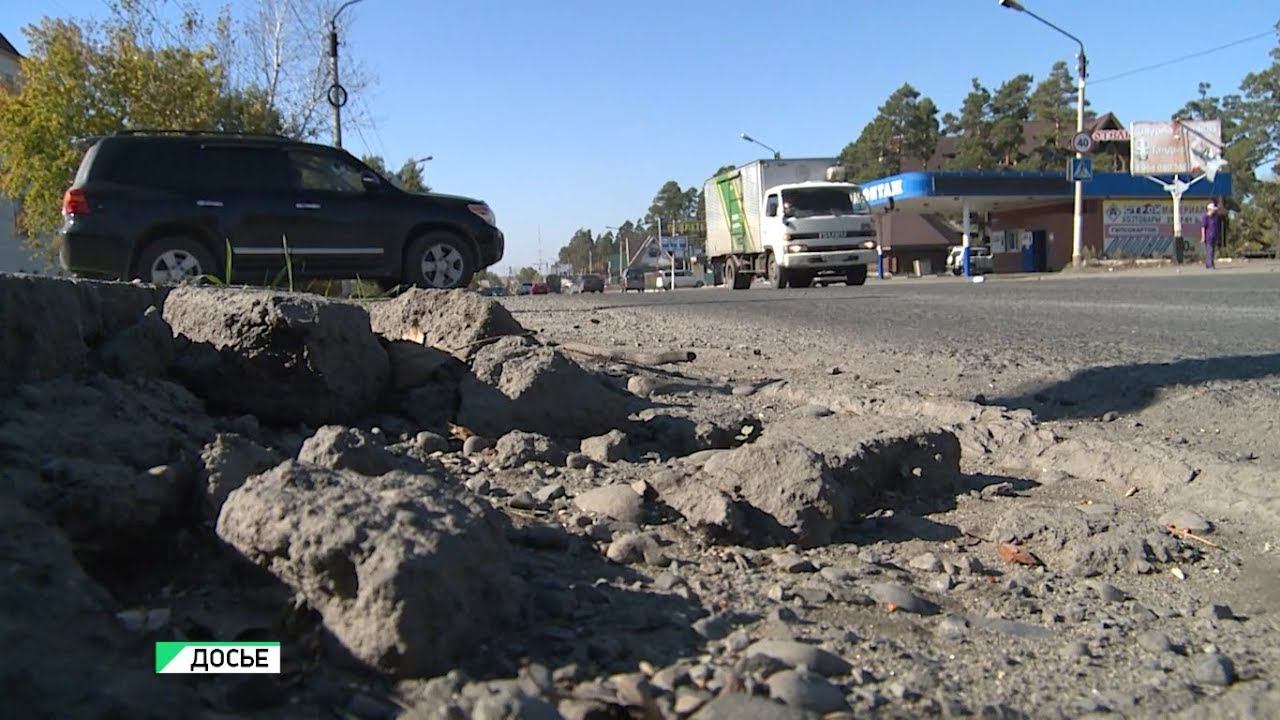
(683, 279)
(980, 260)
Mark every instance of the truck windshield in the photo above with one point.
(810, 202)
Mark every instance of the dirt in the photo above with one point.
(840, 528)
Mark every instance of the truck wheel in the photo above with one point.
(734, 277)
(856, 276)
(778, 275)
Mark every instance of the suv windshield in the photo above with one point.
(810, 202)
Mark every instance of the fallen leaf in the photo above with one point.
(1017, 555)
(890, 607)
(459, 432)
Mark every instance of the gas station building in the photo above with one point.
(1026, 217)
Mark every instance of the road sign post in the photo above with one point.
(1080, 169)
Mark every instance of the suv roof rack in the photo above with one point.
(211, 133)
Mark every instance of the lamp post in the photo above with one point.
(622, 266)
(419, 161)
(776, 155)
(1077, 218)
(337, 93)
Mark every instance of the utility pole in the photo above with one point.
(337, 93)
(1082, 65)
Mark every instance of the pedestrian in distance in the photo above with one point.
(1210, 232)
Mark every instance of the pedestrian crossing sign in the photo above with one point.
(1080, 169)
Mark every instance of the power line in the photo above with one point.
(1166, 63)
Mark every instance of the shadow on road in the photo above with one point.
(1129, 388)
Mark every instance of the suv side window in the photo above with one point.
(326, 173)
(233, 167)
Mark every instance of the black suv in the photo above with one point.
(165, 206)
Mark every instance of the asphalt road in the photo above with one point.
(1081, 320)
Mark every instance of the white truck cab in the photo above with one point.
(780, 220)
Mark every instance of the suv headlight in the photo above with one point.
(797, 247)
(483, 210)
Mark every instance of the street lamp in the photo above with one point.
(337, 93)
(1077, 218)
(622, 264)
(419, 161)
(776, 155)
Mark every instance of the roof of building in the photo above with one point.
(7, 47)
(1033, 133)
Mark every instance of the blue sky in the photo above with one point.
(571, 113)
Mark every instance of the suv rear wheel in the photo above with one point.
(439, 260)
(173, 260)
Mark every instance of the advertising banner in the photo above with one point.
(1144, 228)
(1167, 147)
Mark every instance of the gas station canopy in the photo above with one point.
(991, 191)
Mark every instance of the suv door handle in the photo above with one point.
(208, 203)
(307, 206)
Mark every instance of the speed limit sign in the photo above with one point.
(1082, 142)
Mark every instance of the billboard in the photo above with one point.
(677, 245)
(1171, 147)
(1144, 228)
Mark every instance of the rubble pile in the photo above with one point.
(442, 514)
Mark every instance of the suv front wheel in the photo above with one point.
(439, 260)
(173, 260)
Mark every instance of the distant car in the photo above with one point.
(497, 291)
(980, 260)
(683, 279)
(526, 288)
(590, 283)
(539, 288)
(634, 280)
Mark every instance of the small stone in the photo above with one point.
(1216, 612)
(928, 562)
(797, 654)
(1110, 416)
(801, 689)
(643, 385)
(783, 615)
(522, 500)
(577, 461)
(479, 485)
(475, 445)
(942, 584)
(776, 593)
(690, 699)
(792, 563)
(1107, 592)
(669, 678)
(713, 627)
(1215, 669)
(429, 442)
(610, 447)
(634, 548)
(618, 502)
(899, 597)
(812, 595)
(668, 581)
(743, 390)
(952, 627)
(1177, 572)
(1076, 650)
(834, 370)
(549, 493)
(1155, 642)
(1188, 519)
